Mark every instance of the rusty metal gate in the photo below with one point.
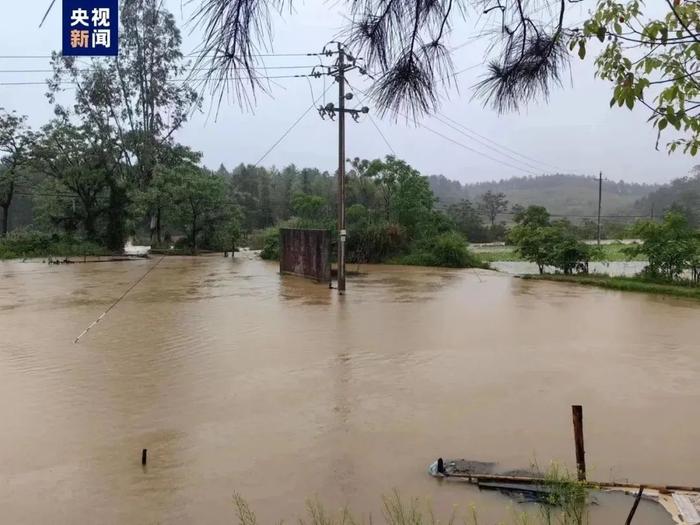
(306, 253)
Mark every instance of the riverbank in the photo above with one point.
(625, 284)
(608, 252)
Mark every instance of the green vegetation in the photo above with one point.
(672, 247)
(651, 62)
(26, 245)
(544, 243)
(616, 252)
(625, 284)
(390, 213)
(564, 503)
(447, 250)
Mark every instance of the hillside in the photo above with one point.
(682, 193)
(561, 194)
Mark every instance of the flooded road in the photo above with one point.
(239, 380)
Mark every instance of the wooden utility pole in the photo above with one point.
(343, 65)
(600, 201)
(577, 414)
(341, 168)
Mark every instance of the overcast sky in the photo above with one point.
(575, 131)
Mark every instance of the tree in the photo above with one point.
(309, 208)
(533, 216)
(546, 244)
(199, 199)
(406, 194)
(15, 143)
(670, 247)
(133, 105)
(75, 191)
(405, 42)
(468, 220)
(492, 204)
(652, 62)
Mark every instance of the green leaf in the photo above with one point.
(600, 33)
(582, 50)
(662, 124)
(617, 27)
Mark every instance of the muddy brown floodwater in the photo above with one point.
(238, 379)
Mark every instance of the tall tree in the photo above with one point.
(15, 143)
(77, 184)
(492, 204)
(136, 102)
(199, 198)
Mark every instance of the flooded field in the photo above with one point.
(240, 380)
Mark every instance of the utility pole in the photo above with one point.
(600, 201)
(341, 169)
(345, 63)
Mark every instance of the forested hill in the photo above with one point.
(561, 194)
(682, 194)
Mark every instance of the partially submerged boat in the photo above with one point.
(681, 502)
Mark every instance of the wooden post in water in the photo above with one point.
(628, 521)
(144, 456)
(577, 413)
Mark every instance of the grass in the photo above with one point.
(608, 252)
(625, 284)
(565, 504)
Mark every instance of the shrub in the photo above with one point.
(371, 243)
(446, 250)
(271, 245)
(27, 244)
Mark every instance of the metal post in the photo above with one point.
(577, 413)
(600, 199)
(341, 169)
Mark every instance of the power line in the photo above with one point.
(70, 82)
(294, 124)
(469, 148)
(189, 55)
(374, 123)
(460, 144)
(115, 303)
(498, 144)
(381, 134)
(486, 145)
(81, 70)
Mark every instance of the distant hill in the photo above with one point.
(682, 193)
(560, 194)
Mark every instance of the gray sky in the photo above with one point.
(574, 131)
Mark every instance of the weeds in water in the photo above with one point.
(566, 499)
(564, 503)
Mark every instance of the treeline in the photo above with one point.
(390, 210)
(107, 167)
(566, 195)
(681, 195)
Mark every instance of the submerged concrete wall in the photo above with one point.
(306, 253)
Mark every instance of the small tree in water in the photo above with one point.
(671, 247)
(546, 244)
